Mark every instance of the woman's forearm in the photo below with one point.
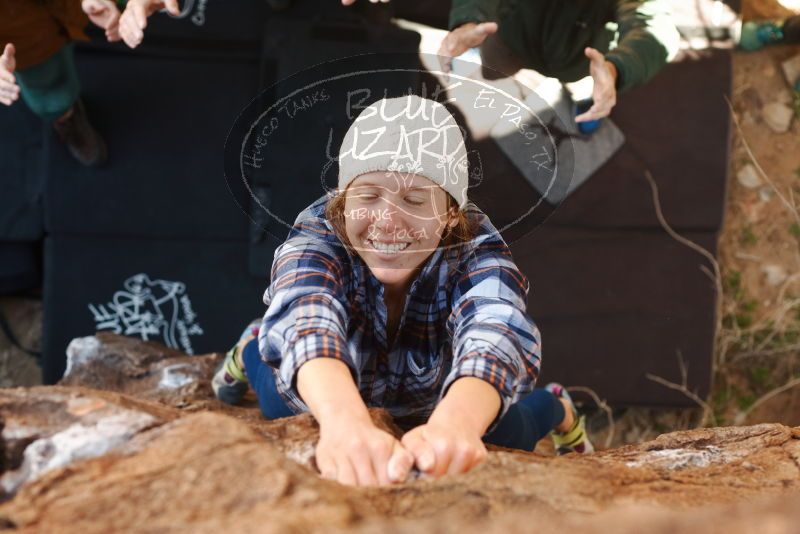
(327, 388)
(471, 403)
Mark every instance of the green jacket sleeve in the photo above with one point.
(647, 40)
(463, 11)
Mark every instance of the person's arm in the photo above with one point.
(450, 442)
(471, 22)
(304, 335)
(351, 449)
(496, 361)
(648, 39)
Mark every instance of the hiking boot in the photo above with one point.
(82, 140)
(757, 34)
(575, 439)
(230, 382)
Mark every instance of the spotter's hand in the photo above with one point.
(103, 14)
(604, 94)
(133, 20)
(9, 90)
(461, 39)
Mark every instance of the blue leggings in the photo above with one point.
(525, 422)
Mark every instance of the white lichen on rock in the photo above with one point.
(675, 459)
(80, 351)
(173, 378)
(78, 441)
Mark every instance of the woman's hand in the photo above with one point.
(354, 451)
(444, 448)
(103, 14)
(351, 449)
(450, 442)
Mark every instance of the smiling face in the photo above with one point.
(395, 221)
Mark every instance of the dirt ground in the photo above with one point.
(759, 253)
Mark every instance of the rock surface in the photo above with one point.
(778, 116)
(748, 176)
(207, 467)
(791, 70)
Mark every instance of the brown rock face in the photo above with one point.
(141, 369)
(85, 460)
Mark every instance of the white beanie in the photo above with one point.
(408, 134)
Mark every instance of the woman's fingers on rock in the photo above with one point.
(381, 454)
(345, 474)
(400, 464)
(421, 450)
(326, 466)
(365, 473)
(443, 450)
(461, 459)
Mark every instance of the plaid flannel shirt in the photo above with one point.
(464, 316)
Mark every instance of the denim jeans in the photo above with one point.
(525, 422)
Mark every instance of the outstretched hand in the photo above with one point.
(103, 14)
(462, 39)
(9, 90)
(133, 20)
(604, 94)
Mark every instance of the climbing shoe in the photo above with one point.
(575, 439)
(230, 381)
